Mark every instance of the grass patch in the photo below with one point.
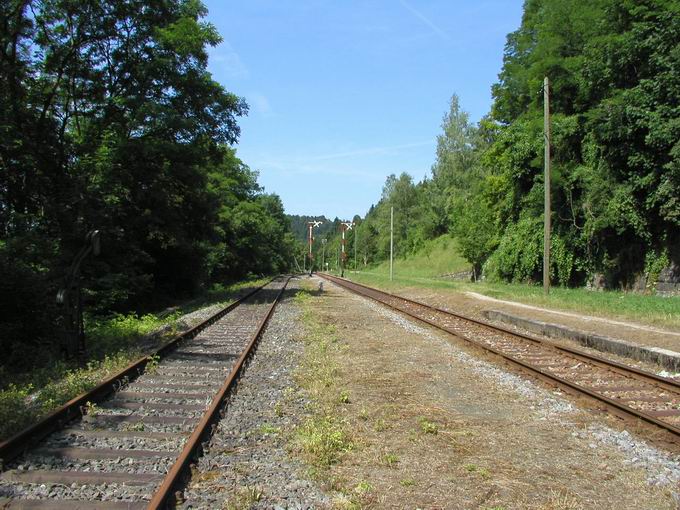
(269, 430)
(20, 406)
(427, 426)
(322, 438)
(645, 309)
(441, 256)
(245, 498)
(113, 343)
(481, 471)
(390, 459)
(437, 257)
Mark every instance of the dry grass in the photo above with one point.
(424, 435)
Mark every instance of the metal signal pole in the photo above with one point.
(323, 254)
(546, 184)
(391, 242)
(311, 225)
(344, 227)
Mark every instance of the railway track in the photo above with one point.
(133, 447)
(623, 390)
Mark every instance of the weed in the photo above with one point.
(137, 426)
(91, 409)
(268, 429)
(484, 473)
(278, 409)
(244, 498)
(380, 425)
(323, 440)
(407, 482)
(363, 488)
(427, 426)
(344, 397)
(15, 413)
(152, 364)
(363, 414)
(481, 471)
(390, 459)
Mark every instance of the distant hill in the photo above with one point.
(298, 225)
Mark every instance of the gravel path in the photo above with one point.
(662, 468)
(246, 463)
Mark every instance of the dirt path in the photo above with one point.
(435, 426)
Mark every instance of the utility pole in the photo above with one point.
(344, 227)
(546, 185)
(312, 225)
(323, 254)
(391, 242)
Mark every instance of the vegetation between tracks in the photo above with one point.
(324, 437)
(113, 344)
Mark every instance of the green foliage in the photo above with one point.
(615, 93)
(427, 426)
(615, 101)
(520, 252)
(323, 440)
(109, 119)
(21, 406)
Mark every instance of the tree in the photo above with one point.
(110, 119)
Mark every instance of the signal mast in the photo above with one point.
(311, 225)
(344, 226)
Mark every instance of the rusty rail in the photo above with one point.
(164, 495)
(634, 373)
(15, 445)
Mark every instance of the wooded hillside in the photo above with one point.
(614, 68)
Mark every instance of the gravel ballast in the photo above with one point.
(247, 462)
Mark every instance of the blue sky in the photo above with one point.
(344, 92)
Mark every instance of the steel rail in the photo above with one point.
(17, 444)
(164, 494)
(670, 384)
(630, 371)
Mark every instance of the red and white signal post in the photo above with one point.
(344, 226)
(311, 225)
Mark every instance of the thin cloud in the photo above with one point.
(228, 61)
(369, 150)
(260, 104)
(296, 169)
(425, 20)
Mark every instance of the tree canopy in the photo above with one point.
(614, 68)
(109, 119)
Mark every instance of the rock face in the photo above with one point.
(669, 281)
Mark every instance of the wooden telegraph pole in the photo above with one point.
(546, 184)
